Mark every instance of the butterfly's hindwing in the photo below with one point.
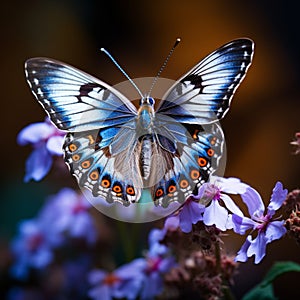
(203, 95)
(91, 162)
(196, 162)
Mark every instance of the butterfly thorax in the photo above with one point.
(145, 115)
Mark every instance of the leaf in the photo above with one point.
(264, 290)
(280, 268)
(261, 292)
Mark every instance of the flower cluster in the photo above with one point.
(65, 215)
(213, 206)
(141, 277)
(185, 259)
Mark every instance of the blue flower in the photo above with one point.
(67, 213)
(31, 249)
(46, 141)
(267, 228)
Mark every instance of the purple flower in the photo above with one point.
(68, 213)
(206, 205)
(213, 193)
(155, 247)
(190, 213)
(141, 277)
(267, 228)
(46, 141)
(124, 282)
(31, 249)
(153, 272)
(158, 261)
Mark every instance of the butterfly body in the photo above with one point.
(116, 150)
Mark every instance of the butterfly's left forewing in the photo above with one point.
(74, 100)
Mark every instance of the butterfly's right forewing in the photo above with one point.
(203, 95)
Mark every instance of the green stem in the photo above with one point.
(128, 235)
(125, 242)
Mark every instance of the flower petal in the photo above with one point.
(100, 292)
(34, 133)
(242, 254)
(196, 211)
(242, 224)
(96, 276)
(230, 205)
(185, 222)
(215, 214)
(38, 164)
(132, 269)
(152, 287)
(172, 222)
(166, 264)
(155, 236)
(55, 144)
(258, 247)
(254, 202)
(275, 231)
(231, 185)
(278, 196)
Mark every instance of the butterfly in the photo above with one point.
(117, 150)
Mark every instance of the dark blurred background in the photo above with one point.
(259, 127)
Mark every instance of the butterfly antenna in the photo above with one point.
(121, 69)
(164, 65)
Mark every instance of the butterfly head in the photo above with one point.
(149, 101)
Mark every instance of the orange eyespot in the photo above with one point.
(195, 174)
(210, 152)
(105, 183)
(117, 188)
(85, 164)
(76, 157)
(171, 189)
(184, 183)
(159, 192)
(130, 191)
(94, 175)
(202, 162)
(73, 147)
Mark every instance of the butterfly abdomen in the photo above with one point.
(145, 156)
